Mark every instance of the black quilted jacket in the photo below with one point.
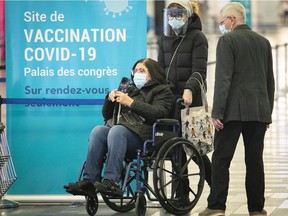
(190, 57)
(152, 102)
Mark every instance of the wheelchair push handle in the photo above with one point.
(180, 101)
(180, 104)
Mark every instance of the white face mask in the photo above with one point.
(223, 30)
(140, 80)
(176, 24)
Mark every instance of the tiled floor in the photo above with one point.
(276, 169)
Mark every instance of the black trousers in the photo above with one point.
(224, 148)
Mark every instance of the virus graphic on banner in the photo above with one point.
(116, 7)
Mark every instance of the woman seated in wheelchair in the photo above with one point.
(148, 98)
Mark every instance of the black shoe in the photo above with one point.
(182, 202)
(83, 187)
(73, 188)
(108, 187)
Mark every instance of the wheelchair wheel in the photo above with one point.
(91, 205)
(127, 201)
(141, 205)
(179, 176)
(124, 203)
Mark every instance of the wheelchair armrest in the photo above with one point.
(166, 124)
(165, 129)
(167, 121)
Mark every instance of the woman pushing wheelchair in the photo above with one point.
(131, 114)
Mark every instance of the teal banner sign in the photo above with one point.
(64, 50)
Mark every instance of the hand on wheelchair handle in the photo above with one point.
(187, 97)
(180, 103)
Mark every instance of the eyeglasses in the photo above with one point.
(140, 70)
(178, 14)
(228, 17)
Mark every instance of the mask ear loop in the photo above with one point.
(170, 64)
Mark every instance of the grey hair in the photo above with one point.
(236, 9)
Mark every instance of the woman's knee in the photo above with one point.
(118, 137)
(121, 136)
(98, 130)
(118, 132)
(98, 136)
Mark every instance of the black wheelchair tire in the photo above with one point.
(141, 205)
(126, 202)
(91, 205)
(166, 202)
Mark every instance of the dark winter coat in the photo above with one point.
(190, 57)
(244, 81)
(150, 103)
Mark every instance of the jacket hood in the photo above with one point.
(194, 22)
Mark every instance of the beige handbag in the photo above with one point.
(197, 124)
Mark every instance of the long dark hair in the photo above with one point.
(156, 71)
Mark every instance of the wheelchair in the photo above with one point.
(177, 169)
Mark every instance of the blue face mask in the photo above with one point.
(223, 30)
(140, 80)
